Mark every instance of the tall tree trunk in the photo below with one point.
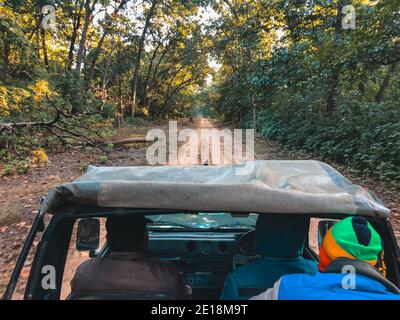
(38, 43)
(106, 32)
(103, 83)
(44, 48)
(121, 98)
(153, 78)
(75, 27)
(385, 83)
(93, 63)
(138, 58)
(89, 8)
(146, 83)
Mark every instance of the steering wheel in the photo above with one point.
(245, 244)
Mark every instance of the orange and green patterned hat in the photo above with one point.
(352, 238)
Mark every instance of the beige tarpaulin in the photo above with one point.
(268, 187)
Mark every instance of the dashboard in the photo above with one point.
(207, 243)
(205, 258)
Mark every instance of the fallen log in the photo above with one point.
(115, 143)
(19, 125)
(129, 141)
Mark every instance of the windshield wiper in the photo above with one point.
(214, 226)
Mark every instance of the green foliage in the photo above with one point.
(83, 167)
(103, 159)
(45, 77)
(136, 122)
(22, 167)
(89, 149)
(315, 85)
(365, 136)
(7, 170)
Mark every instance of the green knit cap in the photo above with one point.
(357, 237)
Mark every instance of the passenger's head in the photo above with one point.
(127, 233)
(353, 238)
(281, 235)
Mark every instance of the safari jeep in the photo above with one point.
(202, 220)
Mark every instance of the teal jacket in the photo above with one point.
(256, 277)
(279, 241)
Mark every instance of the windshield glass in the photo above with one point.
(203, 220)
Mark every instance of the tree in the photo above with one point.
(139, 56)
(89, 11)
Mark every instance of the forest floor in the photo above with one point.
(21, 194)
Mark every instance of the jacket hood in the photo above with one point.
(281, 235)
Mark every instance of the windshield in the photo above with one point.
(203, 220)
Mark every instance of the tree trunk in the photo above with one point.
(385, 83)
(44, 48)
(121, 97)
(102, 39)
(103, 83)
(38, 42)
(138, 58)
(119, 114)
(88, 20)
(153, 79)
(94, 61)
(146, 83)
(75, 27)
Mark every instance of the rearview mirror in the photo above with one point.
(88, 235)
(323, 227)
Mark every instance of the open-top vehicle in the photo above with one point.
(202, 219)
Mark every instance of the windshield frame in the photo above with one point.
(203, 221)
(88, 211)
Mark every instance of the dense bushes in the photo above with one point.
(315, 85)
(365, 136)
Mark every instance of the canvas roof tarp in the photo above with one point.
(271, 187)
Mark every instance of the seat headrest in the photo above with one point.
(281, 235)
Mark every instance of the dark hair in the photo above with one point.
(281, 236)
(126, 233)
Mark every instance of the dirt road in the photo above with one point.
(20, 195)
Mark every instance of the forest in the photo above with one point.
(74, 71)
